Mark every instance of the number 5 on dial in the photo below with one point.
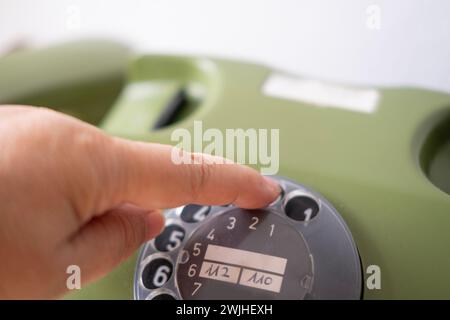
(197, 250)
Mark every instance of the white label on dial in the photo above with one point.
(245, 258)
(261, 280)
(221, 272)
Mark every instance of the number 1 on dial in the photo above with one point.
(272, 227)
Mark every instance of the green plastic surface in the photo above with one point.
(81, 78)
(386, 172)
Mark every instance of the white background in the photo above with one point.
(327, 40)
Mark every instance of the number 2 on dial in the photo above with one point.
(254, 223)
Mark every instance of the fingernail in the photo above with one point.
(273, 185)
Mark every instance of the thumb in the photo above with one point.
(107, 240)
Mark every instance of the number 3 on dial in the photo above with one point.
(232, 223)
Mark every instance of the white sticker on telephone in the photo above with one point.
(321, 94)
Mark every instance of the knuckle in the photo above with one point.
(200, 174)
(94, 168)
(132, 234)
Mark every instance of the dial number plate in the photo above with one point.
(245, 255)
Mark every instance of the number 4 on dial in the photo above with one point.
(210, 235)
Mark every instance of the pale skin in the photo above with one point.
(72, 195)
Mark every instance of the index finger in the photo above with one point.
(150, 177)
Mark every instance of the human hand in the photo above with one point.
(72, 195)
